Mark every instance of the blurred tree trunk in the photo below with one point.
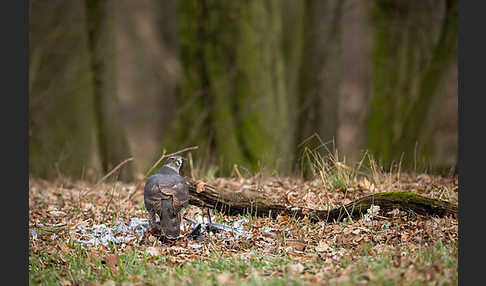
(232, 99)
(167, 29)
(293, 18)
(61, 118)
(320, 76)
(147, 74)
(112, 141)
(414, 43)
(356, 63)
(443, 55)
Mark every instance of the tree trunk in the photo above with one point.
(61, 117)
(356, 63)
(413, 47)
(320, 75)
(293, 18)
(232, 96)
(251, 202)
(112, 141)
(443, 55)
(147, 73)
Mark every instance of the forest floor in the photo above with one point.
(392, 248)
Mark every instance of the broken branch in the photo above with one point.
(244, 202)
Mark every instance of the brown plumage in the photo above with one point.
(166, 194)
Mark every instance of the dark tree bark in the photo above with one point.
(148, 71)
(356, 64)
(414, 45)
(232, 100)
(112, 141)
(293, 23)
(320, 75)
(61, 117)
(443, 56)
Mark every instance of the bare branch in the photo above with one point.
(113, 171)
(109, 174)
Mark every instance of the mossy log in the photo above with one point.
(244, 202)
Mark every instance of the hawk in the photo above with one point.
(166, 194)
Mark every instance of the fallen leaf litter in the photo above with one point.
(59, 214)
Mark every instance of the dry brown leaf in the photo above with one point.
(401, 230)
(322, 246)
(153, 251)
(295, 268)
(225, 279)
(404, 237)
(109, 283)
(64, 248)
(111, 260)
(283, 218)
(292, 198)
(312, 278)
(296, 244)
(152, 238)
(200, 187)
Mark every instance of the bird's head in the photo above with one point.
(174, 162)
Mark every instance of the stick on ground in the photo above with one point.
(244, 202)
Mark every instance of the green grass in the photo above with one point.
(372, 263)
(82, 266)
(334, 174)
(358, 266)
(384, 269)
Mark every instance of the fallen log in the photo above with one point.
(246, 201)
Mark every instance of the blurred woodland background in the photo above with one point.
(251, 83)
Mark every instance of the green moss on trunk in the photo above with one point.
(235, 104)
(411, 56)
(61, 117)
(234, 203)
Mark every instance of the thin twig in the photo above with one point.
(235, 168)
(109, 174)
(113, 171)
(168, 155)
(350, 218)
(110, 200)
(191, 166)
(156, 164)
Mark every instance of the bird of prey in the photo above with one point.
(166, 194)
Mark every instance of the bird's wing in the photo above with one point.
(173, 187)
(165, 191)
(181, 195)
